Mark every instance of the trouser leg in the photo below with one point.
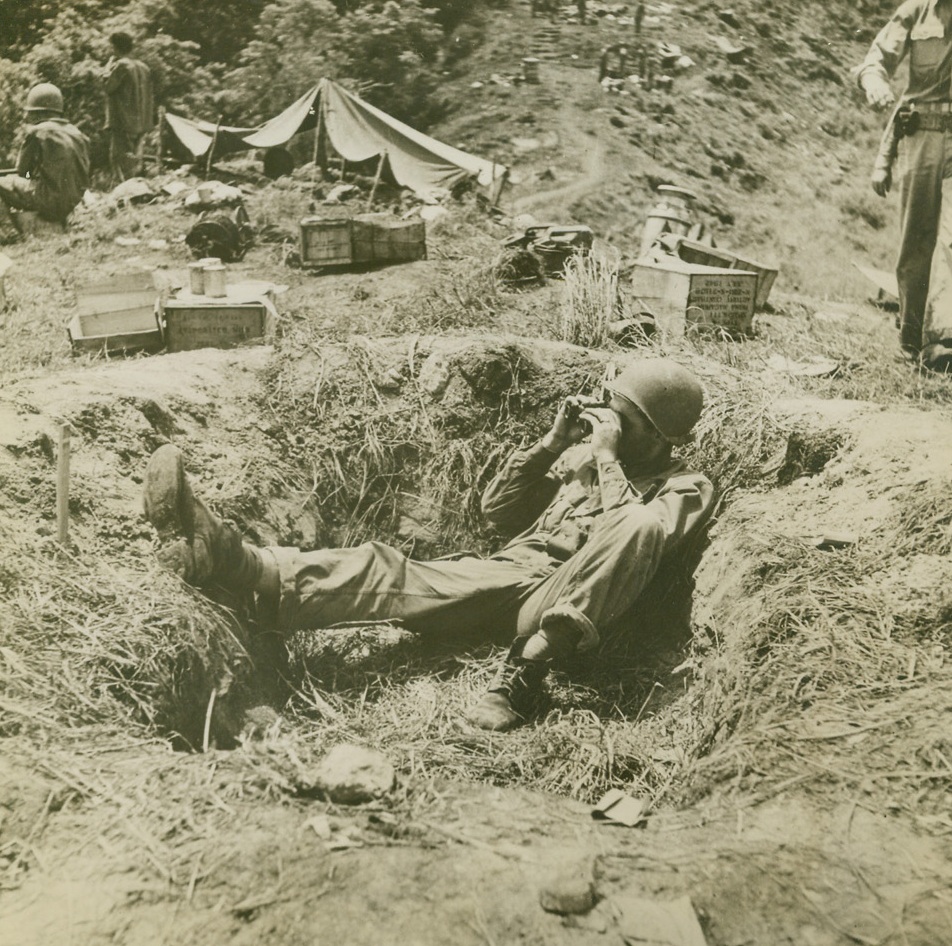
(374, 582)
(565, 610)
(9, 232)
(16, 193)
(938, 318)
(923, 162)
(122, 154)
(602, 580)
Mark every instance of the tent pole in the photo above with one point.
(317, 142)
(343, 168)
(158, 145)
(211, 148)
(373, 190)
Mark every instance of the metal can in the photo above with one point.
(196, 278)
(215, 280)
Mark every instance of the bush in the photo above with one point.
(390, 50)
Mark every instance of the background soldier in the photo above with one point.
(52, 171)
(921, 30)
(129, 107)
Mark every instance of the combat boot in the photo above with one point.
(514, 692)
(198, 546)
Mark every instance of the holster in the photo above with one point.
(907, 121)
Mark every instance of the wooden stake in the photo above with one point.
(373, 190)
(500, 187)
(211, 148)
(208, 719)
(343, 167)
(62, 485)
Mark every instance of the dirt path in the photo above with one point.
(562, 197)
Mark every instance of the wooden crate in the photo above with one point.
(326, 241)
(382, 238)
(191, 324)
(702, 296)
(116, 332)
(692, 252)
(125, 291)
(117, 314)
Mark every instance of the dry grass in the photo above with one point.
(590, 300)
(817, 670)
(89, 644)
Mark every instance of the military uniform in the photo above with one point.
(130, 113)
(593, 537)
(921, 31)
(52, 170)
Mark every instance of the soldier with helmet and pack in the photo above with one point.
(52, 170)
(594, 506)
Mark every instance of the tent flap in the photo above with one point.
(357, 131)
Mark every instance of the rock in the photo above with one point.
(341, 192)
(432, 214)
(730, 18)
(389, 381)
(434, 376)
(351, 775)
(135, 190)
(526, 144)
(258, 721)
(570, 889)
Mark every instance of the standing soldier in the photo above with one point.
(920, 132)
(129, 107)
(52, 171)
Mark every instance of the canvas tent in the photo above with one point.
(355, 129)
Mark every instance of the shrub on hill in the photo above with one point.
(242, 61)
(390, 50)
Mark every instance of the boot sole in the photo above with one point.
(166, 496)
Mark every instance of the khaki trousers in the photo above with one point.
(125, 154)
(521, 589)
(924, 267)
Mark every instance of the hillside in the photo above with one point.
(779, 703)
(782, 134)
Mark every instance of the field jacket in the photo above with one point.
(129, 101)
(554, 501)
(919, 29)
(55, 156)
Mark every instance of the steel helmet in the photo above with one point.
(44, 97)
(667, 394)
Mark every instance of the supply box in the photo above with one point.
(382, 238)
(695, 295)
(193, 324)
(117, 315)
(326, 241)
(366, 238)
(692, 252)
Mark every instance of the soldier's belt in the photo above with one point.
(933, 121)
(909, 121)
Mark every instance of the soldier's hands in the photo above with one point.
(878, 93)
(567, 428)
(881, 181)
(606, 432)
